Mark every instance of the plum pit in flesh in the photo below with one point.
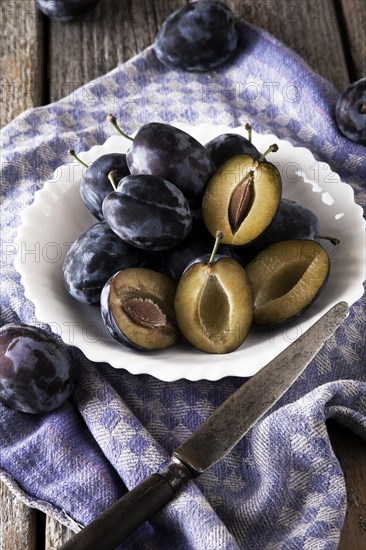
(241, 199)
(286, 278)
(137, 306)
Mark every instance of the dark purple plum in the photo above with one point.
(292, 221)
(148, 212)
(95, 185)
(197, 243)
(170, 153)
(35, 370)
(350, 111)
(198, 37)
(137, 309)
(65, 10)
(93, 258)
(226, 146)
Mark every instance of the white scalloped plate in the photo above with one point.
(58, 216)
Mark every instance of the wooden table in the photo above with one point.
(43, 60)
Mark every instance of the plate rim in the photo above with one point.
(93, 152)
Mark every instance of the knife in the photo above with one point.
(211, 441)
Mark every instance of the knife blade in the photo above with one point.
(211, 441)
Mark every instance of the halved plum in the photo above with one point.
(137, 306)
(214, 303)
(241, 199)
(286, 278)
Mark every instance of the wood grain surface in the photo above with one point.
(43, 60)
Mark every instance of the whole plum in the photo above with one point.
(35, 370)
(292, 221)
(226, 146)
(95, 185)
(94, 257)
(351, 111)
(148, 212)
(170, 153)
(65, 10)
(198, 37)
(196, 244)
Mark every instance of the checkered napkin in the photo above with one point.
(281, 487)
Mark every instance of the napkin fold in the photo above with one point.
(281, 486)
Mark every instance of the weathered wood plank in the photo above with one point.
(17, 523)
(21, 58)
(351, 453)
(354, 15)
(119, 30)
(56, 534)
(115, 32)
(308, 27)
(82, 50)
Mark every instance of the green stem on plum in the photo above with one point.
(219, 237)
(271, 149)
(249, 130)
(111, 177)
(239, 19)
(114, 122)
(74, 155)
(332, 240)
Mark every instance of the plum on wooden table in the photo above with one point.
(65, 10)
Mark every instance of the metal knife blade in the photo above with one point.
(234, 418)
(211, 441)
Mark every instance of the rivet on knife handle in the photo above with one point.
(211, 441)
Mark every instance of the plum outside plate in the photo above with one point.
(58, 216)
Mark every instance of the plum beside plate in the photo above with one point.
(43, 228)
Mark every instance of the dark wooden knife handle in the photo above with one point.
(130, 511)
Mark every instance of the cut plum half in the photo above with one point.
(286, 278)
(214, 305)
(137, 306)
(241, 199)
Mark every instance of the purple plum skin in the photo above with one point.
(171, 154)
(350, 112)
(93, 258)
(198, 37)
(35, 370)
(109, 321)
(292, 221)
(197, 243)
(226, 146)
(65, 10)
(95, 185)
(148, 212)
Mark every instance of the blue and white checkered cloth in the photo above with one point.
(281, 487)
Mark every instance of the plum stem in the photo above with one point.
(74, 155)
(239, 18)
(249, 130)
(111, 177)
(114, 122)
(362, 109)
(271, 149)
(332, 240)
(219, 237)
